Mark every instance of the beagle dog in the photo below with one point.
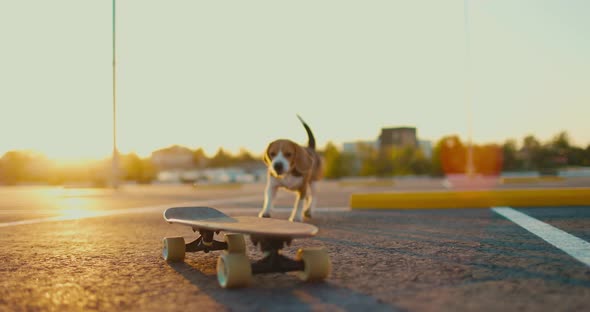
(295, 168)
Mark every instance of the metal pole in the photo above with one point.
(468, 92)
(115, 165)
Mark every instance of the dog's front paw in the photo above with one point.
(296, 219)
(263, 214)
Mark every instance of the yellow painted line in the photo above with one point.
(473, 199)
(526, 180)
(385, 183)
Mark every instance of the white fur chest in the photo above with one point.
(289, 182)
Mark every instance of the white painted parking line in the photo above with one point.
(77, 215)
(572, 245)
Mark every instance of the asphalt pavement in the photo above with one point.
(95, 249)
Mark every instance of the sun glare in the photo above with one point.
(74, 214)
(73, 204)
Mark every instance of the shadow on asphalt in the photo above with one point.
(280, 292)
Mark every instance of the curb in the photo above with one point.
(472, 199)
(385, 183)
(526, 180)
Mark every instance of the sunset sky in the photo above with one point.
(235, 73)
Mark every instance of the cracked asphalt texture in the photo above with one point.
(420, 260)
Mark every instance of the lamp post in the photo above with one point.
(470, 170)
(115, 158)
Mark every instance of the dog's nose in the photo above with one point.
(278, 167)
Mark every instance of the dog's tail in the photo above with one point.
(311, 142)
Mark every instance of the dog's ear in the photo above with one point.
(303, 160)
(265, 158)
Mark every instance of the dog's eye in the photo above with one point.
(287, 155)
(272, 154)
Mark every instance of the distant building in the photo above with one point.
(174, 157)
(353, 147)
(360, 150)
(212, 175)
(398, 137)
(389, 138)
(426, 147)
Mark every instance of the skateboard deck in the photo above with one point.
(206, 218)
(234, 268)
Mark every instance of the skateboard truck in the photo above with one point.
(205, 243)
(273, 261)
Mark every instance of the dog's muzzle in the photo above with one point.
(278, 168)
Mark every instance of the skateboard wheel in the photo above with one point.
(235, 243)
(173, 248)
(233, 270)
(316, 262)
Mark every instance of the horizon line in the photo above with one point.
(236, 151)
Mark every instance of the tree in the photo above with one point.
(435, 161)
(575, 156)
(452, 155)
(337, 164)
(199, 158)
(244, 157)
(586, 160)
(409, 161)
(221, 159)
(348, 164)
(563, 152)
(331, 159)
(558, 150)
(14, 167)
(510, 160)
(561, 141)
(132, 167)
(419, 164)
(487, 159)
(148, 171)
(552, 155)
(138, 169)
(368, 159)
(530, 151)
(384, 162)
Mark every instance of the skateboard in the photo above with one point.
(234, 268)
